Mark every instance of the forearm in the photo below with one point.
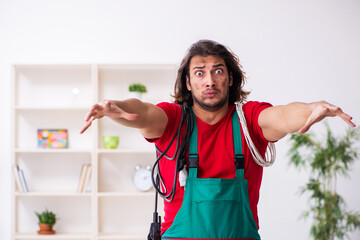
(132, 106)
(276, 122)
(292, 117)
(148, 118)
(151, 120)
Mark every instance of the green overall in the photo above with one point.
(214, 208)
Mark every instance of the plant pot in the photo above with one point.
(136, 95)
(45, 229)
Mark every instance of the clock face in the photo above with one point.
(142, 179)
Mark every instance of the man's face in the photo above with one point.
(209, 82)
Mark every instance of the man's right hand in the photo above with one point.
(106, 108)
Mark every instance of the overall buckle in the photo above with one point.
(239, 161)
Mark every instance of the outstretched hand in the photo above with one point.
(106, 108)
(322, 110)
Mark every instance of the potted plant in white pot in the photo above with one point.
(47, 219)
(136, 90)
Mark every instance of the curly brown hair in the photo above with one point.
(210, 48)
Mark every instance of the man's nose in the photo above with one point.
(210, 81)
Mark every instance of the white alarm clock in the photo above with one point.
(142, 178)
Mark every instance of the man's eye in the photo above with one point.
(218, 71)
(199, 74)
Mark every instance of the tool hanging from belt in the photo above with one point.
(214, 208)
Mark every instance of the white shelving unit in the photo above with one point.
(111, 207)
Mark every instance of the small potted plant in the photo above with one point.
(136, 90)
(46, 221)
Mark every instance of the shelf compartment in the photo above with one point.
(53, 172)
(52, 85)
(159, 79)
(129, 138)
(116, 170)
(132, 216)
(28, 122)
(78, 220)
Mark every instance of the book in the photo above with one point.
(87, 178)
(23, 181)
(82, 177)
(17, 178)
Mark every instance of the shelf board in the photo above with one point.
(65, 150)
(42, 66)
(60, 108)
(155, 66)
(125, 236)
(126, 194)
(151, 151)
(53, 194)
(54, 236)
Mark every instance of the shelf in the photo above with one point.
(53, 194)
(65, 108)
(52, 66)
(58, 96)
(127, 194)
(130, 151)
(138, 66)
(54, 236)
(125, 236)
(52, 151)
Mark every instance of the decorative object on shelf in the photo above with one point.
(327, 159)
(142, 178)
(52, 138)
(110, 142)
(136, 90)
(47, 219)
(75, 91)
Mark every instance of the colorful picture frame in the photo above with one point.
(52, 138)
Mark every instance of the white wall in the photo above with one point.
(291, 50)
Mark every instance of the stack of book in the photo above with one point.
(84, 177)
(20, 181)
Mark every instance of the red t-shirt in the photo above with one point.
(216, 153)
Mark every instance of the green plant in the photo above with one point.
(46, 217)
(137, 87)
(326, 160)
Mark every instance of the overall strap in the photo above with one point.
(238, 156)
(193, 149)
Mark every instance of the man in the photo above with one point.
(220, 201)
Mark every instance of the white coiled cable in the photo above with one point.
(270, 154)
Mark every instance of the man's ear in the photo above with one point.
(188, 86)
(230, 79)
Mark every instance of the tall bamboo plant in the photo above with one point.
(326, 160)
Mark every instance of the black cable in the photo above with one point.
(179, 155)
